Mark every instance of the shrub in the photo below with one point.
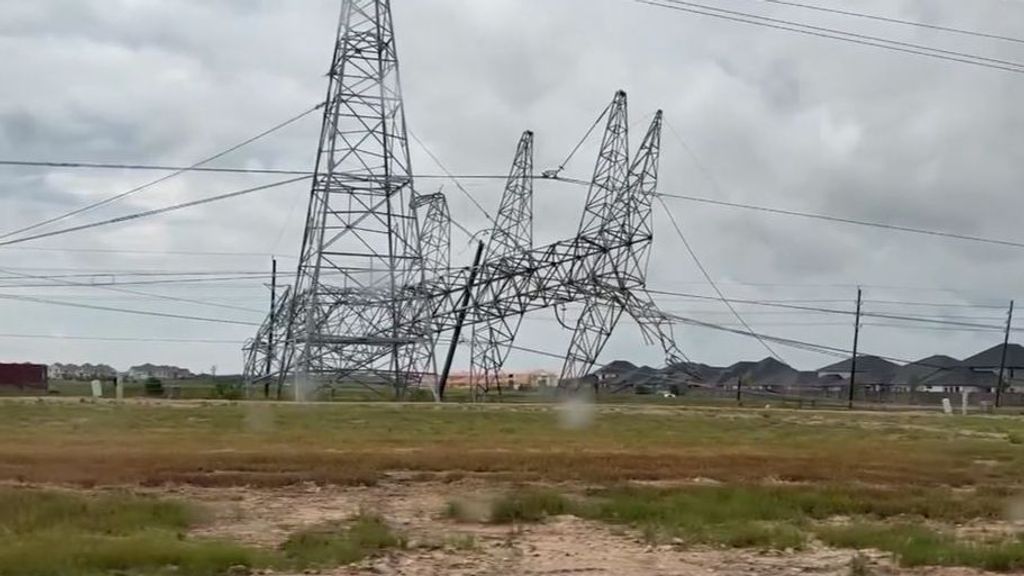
(153, 387)
(337, 544)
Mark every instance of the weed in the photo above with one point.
(859, 566)
(336, 544)
(461, 542)
(528, 505)
(915, 545)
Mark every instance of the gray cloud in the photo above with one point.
(776, 119)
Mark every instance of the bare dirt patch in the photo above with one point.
(438, 545)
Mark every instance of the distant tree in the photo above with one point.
(643, 390)
(153, 387)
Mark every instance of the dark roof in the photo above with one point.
(872, 365)
(767, 372)
(962, 376)
(924, 368)
(617, 367)
(993, 356)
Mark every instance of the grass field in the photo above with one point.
(901, 483)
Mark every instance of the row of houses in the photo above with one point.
(524, 380)
(934, 374)
(88, 372)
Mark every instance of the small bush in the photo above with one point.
(153, 387)
(528, 505)
(337, 544)
(226, 391)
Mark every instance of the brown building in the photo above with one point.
(23, 376)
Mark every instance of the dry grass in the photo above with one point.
(272, 445)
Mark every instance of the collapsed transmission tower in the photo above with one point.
(511, 235)
(375, 289)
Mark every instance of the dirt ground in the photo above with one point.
(561, 546)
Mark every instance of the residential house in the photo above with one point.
(873, 373)
(924, 374)
(147, 371)
(84, 372)
(990, 360)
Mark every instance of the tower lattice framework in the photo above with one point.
(375, 289)
(362, 243)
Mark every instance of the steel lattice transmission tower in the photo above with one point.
(362, 242)
(511, 235)
(375, 289)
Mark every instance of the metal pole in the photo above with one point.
(463, 310)
(270, 333)
(856, 341)
(1002, 361)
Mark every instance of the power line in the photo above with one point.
(898, 21)
(61, 282)
(124, 310)
(225, 281)
(711, 281)
(121, 339)
(906, 318)
(555, 173)
(225, 170)
(143, 252)
(843, 220)
(147, 213)
(452, 177)
(807, 29)
(162, 179)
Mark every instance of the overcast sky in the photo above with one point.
(773, 118)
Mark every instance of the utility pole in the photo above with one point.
(270, 333)
(467, 296)
(856, 341)
(739, 391)
(1002, 361)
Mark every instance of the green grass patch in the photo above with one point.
(29, 511)
(152, 552)
(55, 533)
(337, 544)
(781, 517)
(915, 545)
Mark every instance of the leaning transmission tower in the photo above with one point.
(375, 290)
(362, 242)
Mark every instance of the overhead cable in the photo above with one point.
(843, 220)
(162, 179)
(124, 310)
(891, 20)
(69, 283)
(711, 281)
(148, 213)
(862, 39)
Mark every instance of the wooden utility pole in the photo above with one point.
(463, 310)
(856, 341)
(1002, 361)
